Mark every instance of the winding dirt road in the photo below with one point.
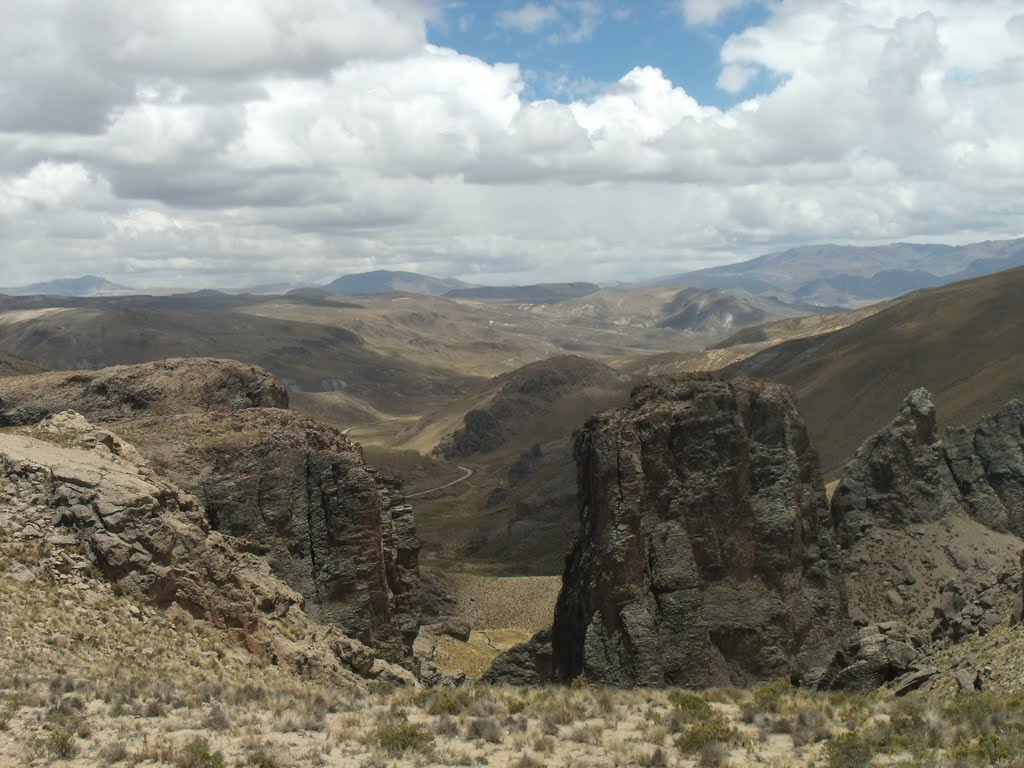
(467, 473)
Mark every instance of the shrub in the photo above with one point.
(848, 751)
(690, 707)
(398, 737)
(61, 744)
(699, 735)
(197, 754)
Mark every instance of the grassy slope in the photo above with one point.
(964, 342)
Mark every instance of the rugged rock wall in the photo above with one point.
(988, 466)
(175, 386)
(289, 488)
(898, 476)
(152, 539)
(906, 474)
(706, 554)
(298, 492)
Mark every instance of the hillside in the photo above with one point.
(964, 342)
(855, 275)
(543, 293)
(389, 281)
(517, 511)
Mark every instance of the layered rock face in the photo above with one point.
(152, 539)
(298, 493)
(706, 554)
(175, 386)
(285, 487)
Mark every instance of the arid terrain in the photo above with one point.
(423, 530)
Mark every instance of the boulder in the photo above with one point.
(874, 656)
(706, 554)
(527, 663)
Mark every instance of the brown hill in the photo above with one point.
(15, 366)
(964, 342)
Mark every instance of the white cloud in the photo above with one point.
(304, 149)
(700, 13)
(530, 18)
(735, 77)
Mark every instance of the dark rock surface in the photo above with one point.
(175, 386)
(297, 492)
(527, 663)
(988, 466)
(899, 476)
(906, 474)
(706, 554)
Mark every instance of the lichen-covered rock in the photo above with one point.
(298, 493)
(706, 554)
(174, 386)
(152, 539)
(899, 476)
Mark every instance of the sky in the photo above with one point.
(231, 144)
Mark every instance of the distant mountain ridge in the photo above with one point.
(541, 293)
(389, 281)
(853, 275)
(86, 285)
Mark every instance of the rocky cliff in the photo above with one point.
(85, 489)
(706, 554)
(282, 486)
(298, 493)
(899, 476)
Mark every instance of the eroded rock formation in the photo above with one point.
(706, 554)
(152, 539)
(285, 487)
(899, 476)
(298, 493)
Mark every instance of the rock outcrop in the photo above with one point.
(285, 487)
(874, 656)
(906, 474)
(153, 540)
(169, 387)
(988, 466)
(298, 493)
(527, 663)
(899, 476)
(706, 554)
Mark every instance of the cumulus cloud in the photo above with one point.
(306, 139)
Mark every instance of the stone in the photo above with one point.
(897, 477)
(874, 656)
(163, 552)
(705, 554)
(988, 466)
(527, 663)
